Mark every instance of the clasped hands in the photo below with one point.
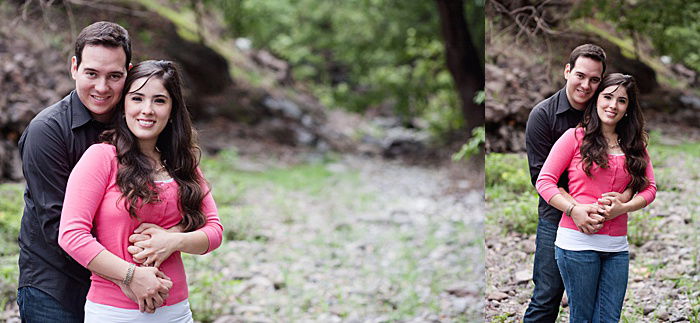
(150, 246)
(589, 218)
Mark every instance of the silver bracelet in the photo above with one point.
(129, 274)
(571, 208)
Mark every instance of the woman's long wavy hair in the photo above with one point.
(179, 152)
(630, 131)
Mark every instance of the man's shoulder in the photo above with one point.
(49, 122)
(546, 105)
(52, 114)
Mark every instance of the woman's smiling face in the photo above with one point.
(147, 108)
(612, 105)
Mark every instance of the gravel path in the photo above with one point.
(379, 242)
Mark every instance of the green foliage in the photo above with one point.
(359, 54)
(209, 292)
(472, 146)
(673, 26)
(511, 199)
(508, 171)
(480, 97)
(641, 227)
(478, 138)
(11, 207)
(9, 274)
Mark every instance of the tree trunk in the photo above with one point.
(462, 60)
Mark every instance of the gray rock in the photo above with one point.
(523, 276)
(496, 296)
(285, 107)
(463, 289)
(460, 304)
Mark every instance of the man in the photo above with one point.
(548, 120)
(53, 286)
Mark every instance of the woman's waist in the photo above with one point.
(614, 227)
(108, 293)
(103, 291)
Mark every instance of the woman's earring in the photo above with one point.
(625, 114)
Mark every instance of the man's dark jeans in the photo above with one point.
(549, 288)
(37, 306)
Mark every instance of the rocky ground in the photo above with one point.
(395, 242)
(369, 241)
(656, 291)
(664, 282)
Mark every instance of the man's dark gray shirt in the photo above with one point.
(50, 147)
(548, 120)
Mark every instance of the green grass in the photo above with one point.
(510, 197)
(11, 207)
(641, 227)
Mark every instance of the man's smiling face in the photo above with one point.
(582, 80)
(99, 79)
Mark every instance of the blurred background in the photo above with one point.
(343, 141)
(527, 47)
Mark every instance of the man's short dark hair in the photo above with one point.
(103, 33)
(591, 51)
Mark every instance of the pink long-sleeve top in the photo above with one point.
(94, 219)
(566, 155)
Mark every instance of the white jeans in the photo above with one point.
(98, 313)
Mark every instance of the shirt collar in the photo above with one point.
(81, 115)
(563, 104)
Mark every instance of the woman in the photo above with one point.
(606, 153)
(146, 172)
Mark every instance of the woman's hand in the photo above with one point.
(152, 244)
(586, 218)
(150, 287)
(611, 205)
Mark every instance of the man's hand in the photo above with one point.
(150, 287)
(586, 218)
(128, 292)
(612, 204)
(152, 244)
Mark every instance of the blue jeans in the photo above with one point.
(595, 283)
(549, 288)
(37, 306)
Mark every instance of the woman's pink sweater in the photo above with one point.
(94, 219)
(566, 155)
